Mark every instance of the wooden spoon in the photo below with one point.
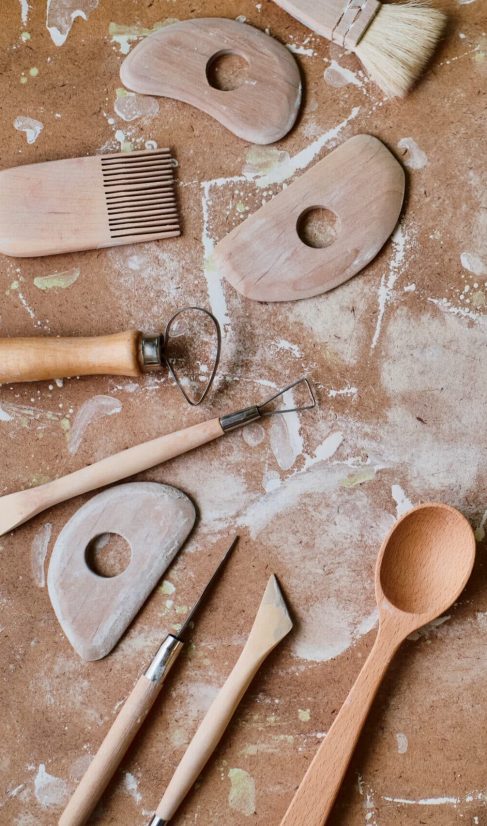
(422, 567)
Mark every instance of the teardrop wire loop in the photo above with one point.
(216, 362)
(312, 403)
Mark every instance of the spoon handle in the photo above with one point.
(316, 794)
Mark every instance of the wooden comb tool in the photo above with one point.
(87, 203)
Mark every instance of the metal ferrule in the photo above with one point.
(164, 659)
(239, 418)
(151, 353)
(157, 821)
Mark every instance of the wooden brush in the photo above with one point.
(394, 42)
(87, 203)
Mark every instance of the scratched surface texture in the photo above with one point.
(398, 356)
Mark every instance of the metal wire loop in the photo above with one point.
(303, 380)
(193, 402)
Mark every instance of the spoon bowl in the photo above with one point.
(425, 562)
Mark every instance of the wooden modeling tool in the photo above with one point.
(87, 203)
(360, 185)
(422, 568)
(176, 62)
(131, 716)
(94, 611)
(393, 41)
(271, 625)
(16, 508)
(121, 354)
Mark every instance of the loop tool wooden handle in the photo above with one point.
(42, 359)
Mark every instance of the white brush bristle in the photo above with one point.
(398, 44)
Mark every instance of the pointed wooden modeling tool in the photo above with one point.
(422, 568)
(176, 62)
(16, 508)
(271, 625)
(94, 611)
(394, 41)
(360, 186)
(87, 203)
(131, 716)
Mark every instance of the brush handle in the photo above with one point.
(314, 799)
(118, 739)
(16, 508)
(342, 21)
(211, 729)
(39, 359)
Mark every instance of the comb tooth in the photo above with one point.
(141, 186)
(163, 191)
(139, 180)
(140, 208)
(131, 158)
(116, 157)
(150, 221)
(162, 161)
(168, 232)
(136, 170)
(165, 215)
(120, 204)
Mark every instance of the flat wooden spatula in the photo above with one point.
(360, 186)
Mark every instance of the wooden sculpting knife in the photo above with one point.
(131, 716)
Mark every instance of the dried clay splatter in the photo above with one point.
(338, 76)
(473, 263)
(30, 126)
(272, 166)
(90, 410)
(24, 11)
(132, 786)
(413, 157)
(40, 547)
(402, 743)
(49, 790)
(124, 36)
(130, 106)
(241, 797)
(61, 15)
(57, 280)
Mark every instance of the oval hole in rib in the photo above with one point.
(226, 71)
(108, 554)
(317, 227)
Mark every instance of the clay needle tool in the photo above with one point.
(271, 625)
(16, 508)
(422, 568)
(131, 716)
(393, 41)
(130, 353)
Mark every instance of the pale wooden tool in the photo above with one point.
(94, 611)
(394, 42)
(271, 625)
(87, 203)
(16, 508)
(423, 566)
(174, 62)
(361, 183)
(121, 354)
(131, 716)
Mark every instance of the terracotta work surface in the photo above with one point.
(398, 356)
